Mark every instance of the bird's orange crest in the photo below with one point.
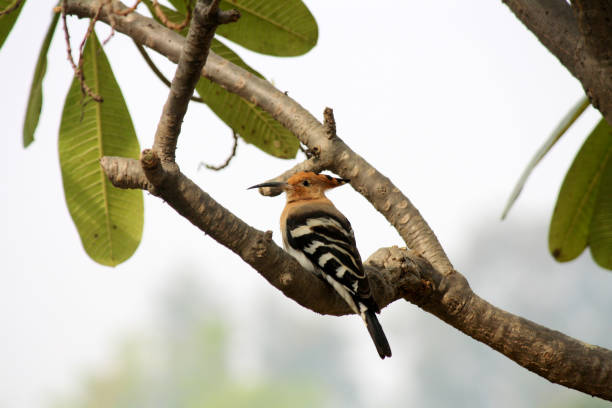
(312, 178)
(305, 185)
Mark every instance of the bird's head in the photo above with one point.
(305, 185)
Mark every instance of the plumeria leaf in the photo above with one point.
(109, 220)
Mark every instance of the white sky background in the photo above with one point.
(448, 99)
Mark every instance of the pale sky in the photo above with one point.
(449, 99)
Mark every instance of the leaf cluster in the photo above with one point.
(109, 220)
(583, 212)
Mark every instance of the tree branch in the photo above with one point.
(166, 21)
(78, 68)
(206, 18)
(428, 280)
(390, 278)
(229, 158)
(335, 154)
(393, 274)
(554, 24)
(595, 24)
(551, 354)
(329, 123)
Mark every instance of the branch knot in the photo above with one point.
(260, 248)
(329, 123)
(227, 16)
(152, 167)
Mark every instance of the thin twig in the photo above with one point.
(112, 33)
(157, 72)
(11, 8)
(165, 21)
(227, 161)
(129, 10)
(90, 28)
(111, 16)
(123, 12)
(78, 69)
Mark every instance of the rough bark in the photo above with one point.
(423, 276)
(579, 37)
(335, 155)
(390, 278)
(191, 61)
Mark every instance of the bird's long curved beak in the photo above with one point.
(273, 184)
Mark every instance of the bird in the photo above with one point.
(321, 239)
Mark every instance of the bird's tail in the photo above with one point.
(377, 333)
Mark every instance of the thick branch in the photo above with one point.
(393, 273)
(554, 24)
(256, 247)
(335, 154)
(595, 24)
(432, 284)
(125, 173)
(552, 21)
(551, 354)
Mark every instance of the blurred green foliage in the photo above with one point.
(185, 363)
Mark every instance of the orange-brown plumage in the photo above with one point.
(322, 240)
(307, 185)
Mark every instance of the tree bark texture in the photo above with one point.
(422, 275)
(579, 36)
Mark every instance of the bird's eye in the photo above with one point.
(305, 183)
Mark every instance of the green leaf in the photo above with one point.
(284, 28)
(109, 220)
(570, 227)
(600, 236)
(567, 121)
(8, 20)
(251, 123)
(36, 95)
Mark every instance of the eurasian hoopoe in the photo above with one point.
(322, 240)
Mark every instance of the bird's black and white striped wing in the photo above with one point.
(328, 242)
(323, 241)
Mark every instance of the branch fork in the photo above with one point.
(422, 275)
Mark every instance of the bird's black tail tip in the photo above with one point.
(377, 334)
